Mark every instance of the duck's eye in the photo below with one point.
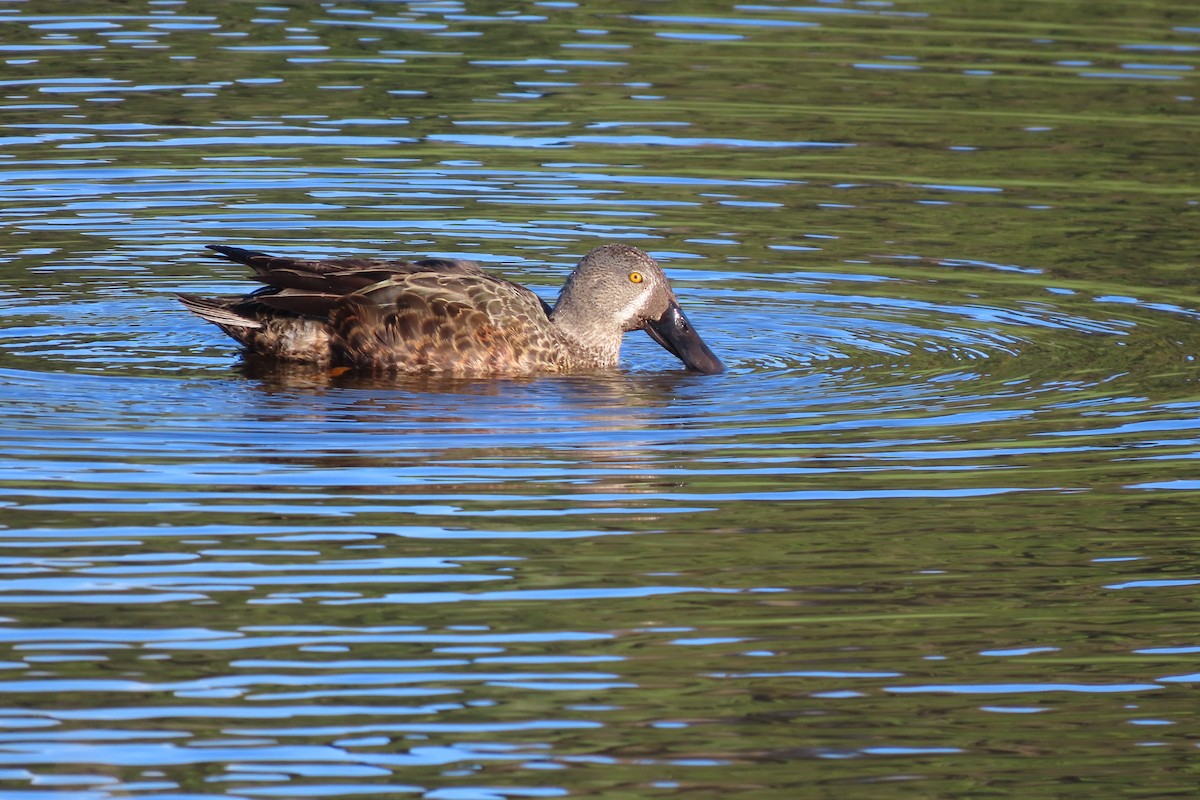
(636, 277)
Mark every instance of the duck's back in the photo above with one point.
(433, 315)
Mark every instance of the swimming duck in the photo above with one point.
(449, 316)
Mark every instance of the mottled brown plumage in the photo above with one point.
(439, 315)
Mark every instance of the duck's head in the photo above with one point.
(627, 289)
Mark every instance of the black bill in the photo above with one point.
(673, 331)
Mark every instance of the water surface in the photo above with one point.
(931, 535)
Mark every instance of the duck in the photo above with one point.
(439, 315)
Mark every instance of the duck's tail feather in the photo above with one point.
(217, 312)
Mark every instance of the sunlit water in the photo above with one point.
(932, 534)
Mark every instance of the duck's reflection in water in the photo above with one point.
(601, 436)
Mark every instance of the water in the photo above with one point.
(931, 535)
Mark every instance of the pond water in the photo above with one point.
(933, 534)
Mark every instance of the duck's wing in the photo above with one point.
(338, 276)
(313, 288)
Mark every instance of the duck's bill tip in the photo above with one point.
(673, 331)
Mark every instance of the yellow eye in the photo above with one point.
(635, 277)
